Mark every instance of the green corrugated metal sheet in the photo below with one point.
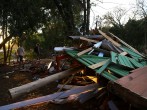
(92, 59)
(116, 68)
(109, 76)
(125, 61)
(118, 59)
(131, 52)
(135, 63)
(101, 69)
(114, 57)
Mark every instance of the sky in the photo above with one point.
(104, 6)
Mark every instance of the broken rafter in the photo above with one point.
(99, 64)
(123, 53)
(110, 39)
(89, 40)
(84, 51)
(127, 45)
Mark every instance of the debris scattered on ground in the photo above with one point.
(98, 67)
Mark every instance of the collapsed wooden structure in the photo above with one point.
(107, 56)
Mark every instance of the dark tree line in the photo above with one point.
(20, 19)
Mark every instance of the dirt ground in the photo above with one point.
(11, 77)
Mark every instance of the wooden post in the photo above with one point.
(17, 91)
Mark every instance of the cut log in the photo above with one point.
(17, 91)
(47, 98)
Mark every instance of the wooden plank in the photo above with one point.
(94, 66)
(84, 51)
(93, 78)
(110, 39)
(124, 80)
(127, 45)
(123, 53)
(89, 40)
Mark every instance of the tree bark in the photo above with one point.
(88, 17)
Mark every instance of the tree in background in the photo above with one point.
(22, 19)
(115, 21)
(142, 11)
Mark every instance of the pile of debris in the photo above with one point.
(106, 60)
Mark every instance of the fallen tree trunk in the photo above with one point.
(17, 91)
(47, 98)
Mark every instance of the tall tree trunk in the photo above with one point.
(85, 14)
(3, 36)
(88, 17)
(65, 9)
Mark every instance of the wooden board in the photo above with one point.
(89, 40)
(99, 64)
(123, 53)
(84, 51)
(93, 78)
(110, 39)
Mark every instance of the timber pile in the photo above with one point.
(105, 60)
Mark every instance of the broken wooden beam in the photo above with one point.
(109, 38)
(84, 51)
(17, 91)
(99, 64)
(47, 98)
(88, 40)
(123, 53)
(127, 45)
